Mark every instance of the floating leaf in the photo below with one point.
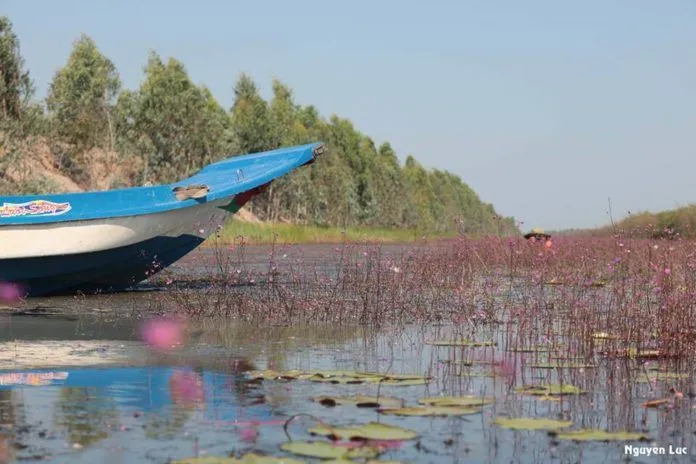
(464, 401)
(360, 401)
(392, 376)
(549, 390)
(468, 343)
(561, 365)
(528, 423)
(372, 380)
(249, 458)
(634, 354)
(324, 450)
(275, 375)
(600, 435)
(371, 431)
(369, 461)
(345, 380)
(403, 383)
(432, 411)
(463, 362)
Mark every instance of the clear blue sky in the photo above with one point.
(545, 108)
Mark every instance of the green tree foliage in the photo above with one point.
(16, 87)
(81, 98)
(175, 127)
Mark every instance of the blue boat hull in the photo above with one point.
(98, 272)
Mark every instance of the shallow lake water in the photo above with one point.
(77, 385)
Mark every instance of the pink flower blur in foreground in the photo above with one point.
(249, 434)
(163, 334)
(10, 293)
(186, 389)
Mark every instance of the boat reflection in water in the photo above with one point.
(85, 402)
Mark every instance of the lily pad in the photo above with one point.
(325, 450)
(540, 348)
(392, 376)
(549, 390)
(463, 401)
(371, 431)
(385, 381)
(468, 343)
(270, 374)
(369, 461)
(562, 365)
(634, 354)
(601, 435)
(344, 380)
(360, 401)
(249, 458)
(528, 423)
(435, 411)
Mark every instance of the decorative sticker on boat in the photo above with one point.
(31, 378)
(34, 208)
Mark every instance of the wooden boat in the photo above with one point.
(108, 241)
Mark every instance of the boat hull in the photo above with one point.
(116, 269)
(115, 253)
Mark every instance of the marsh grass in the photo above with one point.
(639, 293)
(277, 232)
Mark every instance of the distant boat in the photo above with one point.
(108, 241)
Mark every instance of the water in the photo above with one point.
(78, 386)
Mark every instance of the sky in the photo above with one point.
(549, 110)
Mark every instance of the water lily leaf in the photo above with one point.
(562, 365)
(324, 450)
(528, 423)
(600, 435)
(249, 458)
(549, 390)
(392, 376)
(634, 354)
(432, 411)
(468, 343)
(274, 375)
(403, 383)
(360, 401)
(374, 378)
(369, 461)
(371, 431)
(465, 401)
(345, 380)
(462, 362)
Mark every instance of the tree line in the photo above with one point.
(103, 136)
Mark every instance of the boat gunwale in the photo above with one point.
(163, 198)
